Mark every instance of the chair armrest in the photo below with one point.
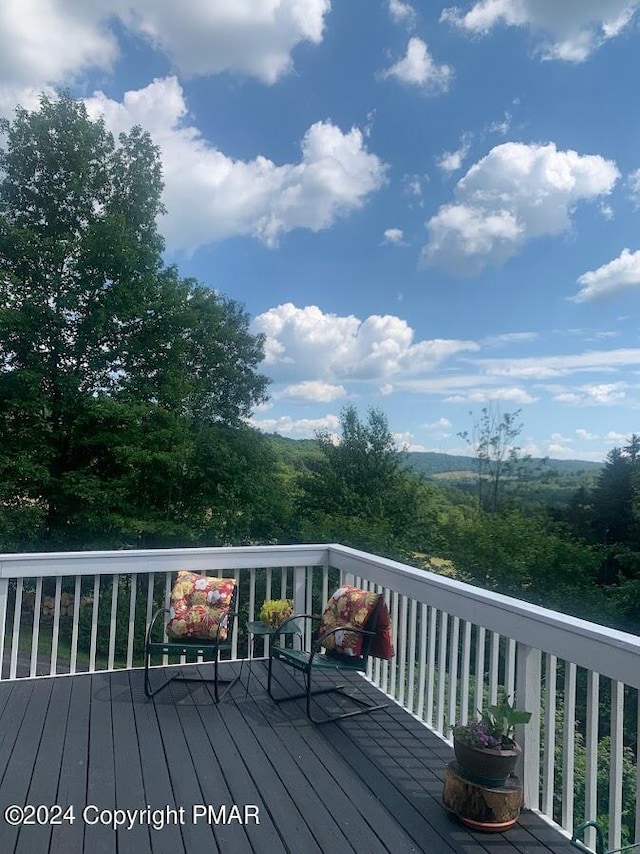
(318, 643)
(153, 622)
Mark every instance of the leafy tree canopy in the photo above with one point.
(499, 461)
(90, 313)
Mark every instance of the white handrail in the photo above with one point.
(51, 564)
(586, 644)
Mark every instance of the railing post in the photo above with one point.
(528, 689)
(347, 578)
(299, 589)
(4, 598)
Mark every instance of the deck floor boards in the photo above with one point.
(369, 784)
(46, 768)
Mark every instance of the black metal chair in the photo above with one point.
(204, 650)
(320, 659)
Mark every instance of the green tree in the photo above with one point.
(579, 515)
(517, 555)
(109, 361)
(359, 491)
(616, 497)
(356, 472)
(616, 525)
(499, 460)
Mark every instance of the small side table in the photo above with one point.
(258, 628)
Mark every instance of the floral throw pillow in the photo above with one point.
(350, 606)
(199, 607)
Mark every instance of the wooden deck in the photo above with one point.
(367, 785)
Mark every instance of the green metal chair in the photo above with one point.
(600, 843)
(206, 650)
(318, 659)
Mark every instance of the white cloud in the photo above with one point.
(412, 184)
(394, 236)
(446, 383)
(607, 333)
(305, 343)
(513, 395)
(516, 193)
(404, 442)
(544, 367)
(612, 436)
(45, 43)
(606, 211)
(210, 196)
(253, 37)
(440, 424)
(502, 127)
(369, 123)
(572, 29)
(508, 338)
(451, 161)
(596, 394)
(402, 12)
(311, 390)
(633, 183)
(27, 97)
(463, 238)
(573, 331)
(585, 435)
(533, 449)
(566, 452)
(300, 427)
(417, 68)
(556, 450)
(620, 274)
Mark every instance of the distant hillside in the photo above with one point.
(432, 464)
(295, 452)
(429, 463)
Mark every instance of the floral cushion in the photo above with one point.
(200, 607)
(350, 606)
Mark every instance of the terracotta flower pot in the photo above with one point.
(488, 767)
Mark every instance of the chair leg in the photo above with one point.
(148, 690)
(298, 696)
(339, 689)
(308, 693)
(217, 680)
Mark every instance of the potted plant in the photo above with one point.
(275, 611)
(486, 750)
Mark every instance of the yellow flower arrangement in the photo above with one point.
(275, 611)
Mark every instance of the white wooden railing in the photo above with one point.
(457, 647)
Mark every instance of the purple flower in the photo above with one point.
(476, 734)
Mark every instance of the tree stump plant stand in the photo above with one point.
(481, 807)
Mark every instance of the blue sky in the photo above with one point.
(426, 207)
